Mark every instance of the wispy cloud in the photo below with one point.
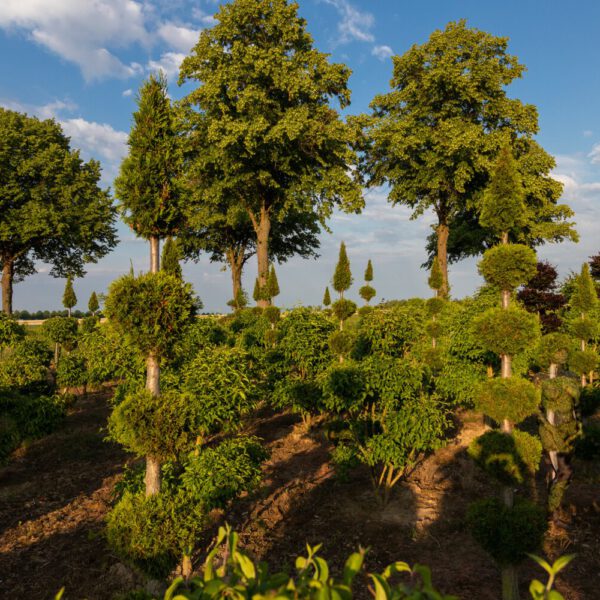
(354, 25)
(382, 52)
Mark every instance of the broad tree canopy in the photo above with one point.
(51, 206)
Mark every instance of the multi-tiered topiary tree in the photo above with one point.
(507, 529)
(367, 292)
(153, 310)
(584, 324)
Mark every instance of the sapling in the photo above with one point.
(93, 304)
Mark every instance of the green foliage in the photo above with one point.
(509, 458)
(88, 324)
(272, 283)
(537, 589)
(589, 400)
(369, 272)
(434, 329)
(171, 255)
(216, 475)
(503, 206)
(588, 445)
(9, 437)
(457, 381)
(304, 342)
(367, 293)
(219, 385)
(342, 342)
(583, 361)
(553, 348)
(60, 330)
(10, 331)
(240, 301)
(507, 266)
(434, 306)
(272, 314)
(301, 396)
(436, 278)
(342, 277)
(560, 394)
(512, 398)
(51, 206)
(164, 427)
(93, 304)
(26, 366)
(69, 298)
(326, 297)
(153, 310)
(71, 371)
(343, 309)
(147, 186)
(584, 298)
(507, 534)
(343, 388)
(507, 331)
(584, 328)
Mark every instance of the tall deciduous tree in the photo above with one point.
(51, 207)
(147, 188)
(435, 136)
(261, 130)
(69, 298)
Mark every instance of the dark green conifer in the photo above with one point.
(342, 278)
(272, 284)
(171, 255)
(69, 298)
(326, 297)
(369, 272)
(93, 304)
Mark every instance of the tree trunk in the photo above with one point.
(7, 283)
(262, 251)
(510, 583)
(152, 463)
(236, 264)
(442, 256)
(154, 254)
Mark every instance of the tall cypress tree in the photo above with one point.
(149, 199)
(272, 284)
(93, 304)
(69, 299)
(171, 255)
(342, 278)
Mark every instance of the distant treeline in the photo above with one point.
(39, 315)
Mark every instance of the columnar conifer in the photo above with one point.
(171, 255)
(326, 298)
(69, 299)
(93, 304)
(272, 284)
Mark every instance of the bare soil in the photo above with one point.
(54, 496)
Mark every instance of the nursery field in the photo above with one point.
(55, 495)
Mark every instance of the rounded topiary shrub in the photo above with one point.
(343, 309)
(26, 366)
(583, 361)
(553, 349)
(508, 266)
(434, 358)
(272, 314)
(343, 388)
(342, 342)
(60, 330)
(507, 534)
(560, 394)
(513, 398)
(584, 329)
(509, 458)
(71, 371)
(435, 306)
(506, 331)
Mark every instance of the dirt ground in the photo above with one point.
(55, 494)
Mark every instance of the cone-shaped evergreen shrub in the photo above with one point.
(69, 299)
(342, 278)
(93, 304)
(171, 255)
(326, 298)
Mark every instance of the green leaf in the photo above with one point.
(352, 567)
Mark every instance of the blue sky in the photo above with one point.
(81, 62)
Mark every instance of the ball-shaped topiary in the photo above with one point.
(367, 292)
(434, 358)
(508, 266)
(343, 309)
(343, 388)
(60, 330)
(511, 398)
(272, 314)
(507, 534)
(434, 329)
(553, 349)
(153, 309)
(509, 458)
(560, 394)
(342, 342)
(434, 306)
(10, 331)
(583, 361)
(506, 331)
(584, 328)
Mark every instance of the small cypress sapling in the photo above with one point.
(240, 301)
(93, 304)
(256, 292)
(367, 292)
(508, 400)
(171, 255)
(326, 298)
(272, 284)
(69, 299)
(583, 312)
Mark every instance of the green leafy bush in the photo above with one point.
(25, 367)
(343, 309)
(560, 394)
(508, 266)
(71, 371)
(343, 388)
(589, 400)
(583, 361)
(553, 349)
(10, 331)
(507, 534)
(342, 342)
(584, 328)
(514, 399)
(61, 330)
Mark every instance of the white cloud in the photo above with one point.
(588, 133)
(168, 63)
(595, 154)
(99, 140)
(382, 52)
(127, 93)
(354, 24)
(180, 38)
(81, 31)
